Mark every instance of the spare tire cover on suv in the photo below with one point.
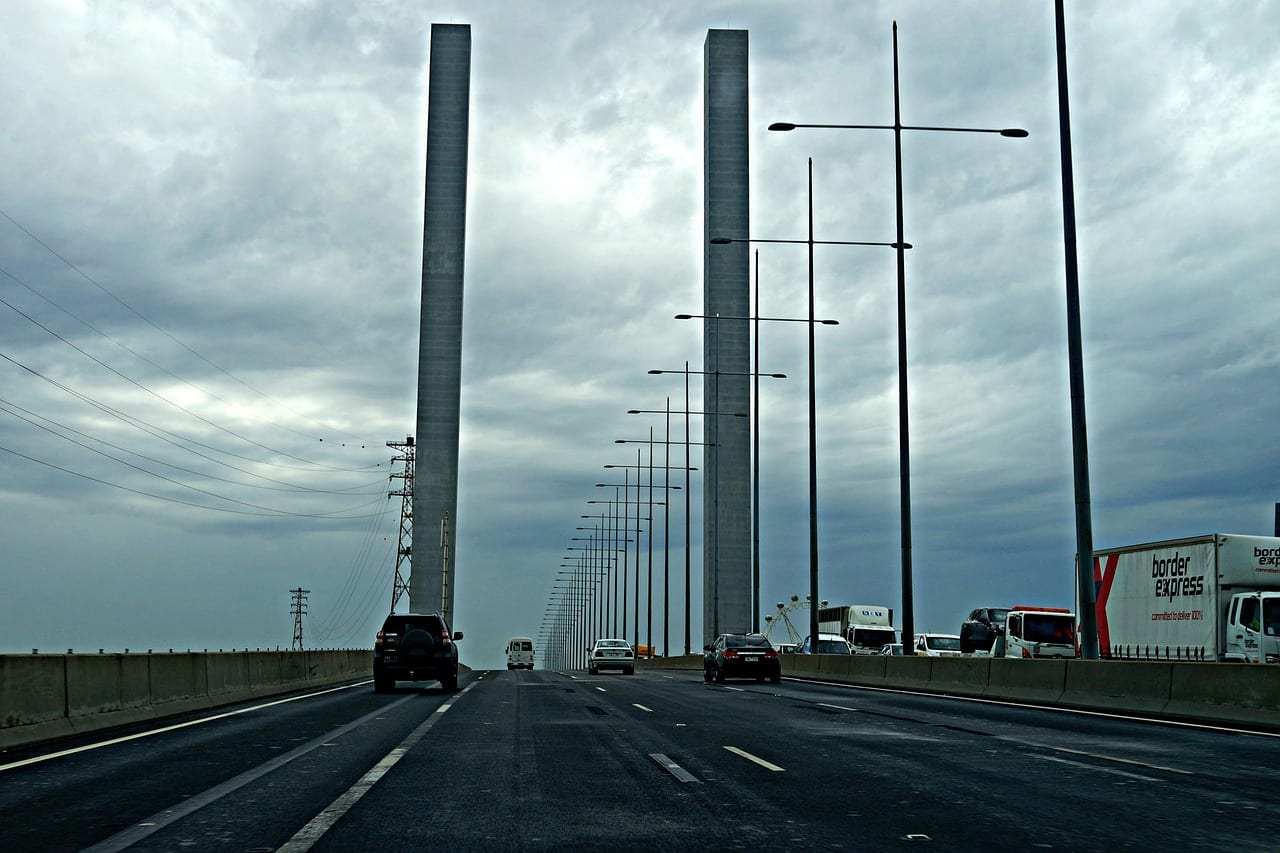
(416, 643)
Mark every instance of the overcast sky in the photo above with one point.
(210, 265)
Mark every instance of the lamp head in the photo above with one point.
(1015, 132)
(782, 125)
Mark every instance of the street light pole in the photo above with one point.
(908, 613)
(715, 568)
(811, 321)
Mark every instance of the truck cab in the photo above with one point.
(1253, 628)
(1039, 632)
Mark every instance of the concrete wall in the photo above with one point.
(1222, 693)
(49, 696)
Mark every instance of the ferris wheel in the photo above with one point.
(783, 618)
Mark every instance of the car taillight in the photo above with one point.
(772, 653)
(377, 641)
(445, 639)
(1025, 652)
(730, 653)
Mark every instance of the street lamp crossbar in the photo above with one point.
(1013, 132)
(770, 319)
(724, 241)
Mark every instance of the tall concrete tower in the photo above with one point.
(726, 344)
(435, 491)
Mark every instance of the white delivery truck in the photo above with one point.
(866, 627)
(1214, 598)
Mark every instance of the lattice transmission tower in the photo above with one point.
(299, 609)
(404, 452)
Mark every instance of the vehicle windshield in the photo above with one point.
(1271, 616)
(1049, 628)
(943, 644)
(833, 647)
(524, 646)
(873, 638)
(998, 616)
(612, 644)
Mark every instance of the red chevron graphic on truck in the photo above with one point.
(1102, 580)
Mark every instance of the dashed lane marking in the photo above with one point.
(674, 769)
(768, 765)
(641, 707)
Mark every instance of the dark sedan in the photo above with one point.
(741, 656)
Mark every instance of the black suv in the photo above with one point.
(980, 630)
(415, 647)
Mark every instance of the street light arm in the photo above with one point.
(1013, 132)
(724, 241)
(770, 319)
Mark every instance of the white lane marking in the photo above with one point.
(304, 839)
(641, 707)
(758, 760)
(674, 769)
(90, 746)
(602, 690)
(132, 835)
(1122, 760)
(837, 707)
(734, 689)
(1094, 767)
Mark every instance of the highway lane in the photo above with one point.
(660, 760)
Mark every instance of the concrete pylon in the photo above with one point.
(726, 344)
(435, 490)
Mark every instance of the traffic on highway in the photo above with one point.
(661, 759)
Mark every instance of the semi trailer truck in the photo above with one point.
(1214, 598)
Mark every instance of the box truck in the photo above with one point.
(866, 627)
(1214, 598)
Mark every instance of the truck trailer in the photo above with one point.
(867, 627)
(1214, 598)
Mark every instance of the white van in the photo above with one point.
(520, 653)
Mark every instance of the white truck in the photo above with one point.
(1213, 598)
(1037, 632)
(867, 627)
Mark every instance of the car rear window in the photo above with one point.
(403, 624)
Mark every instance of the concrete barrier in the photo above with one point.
(1041, 681)
(867, 669)
(1220, 693)
(43, 697)
(33, 695)
(907, 672)
(960, 676)
(1132, 686)
(1234, 692)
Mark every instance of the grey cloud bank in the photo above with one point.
(240, 192)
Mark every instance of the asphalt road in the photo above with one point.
(656, 761)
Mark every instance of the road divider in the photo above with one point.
(43, 697)
(1210, 693)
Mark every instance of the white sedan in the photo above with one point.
(612, 654)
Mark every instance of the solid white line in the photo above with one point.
(87, 747)
(133, 834)
(1093, 767)
(837, 707)
(641, 707)
(304, 839)
(1122, 760)
(602, 690)
(765, 764)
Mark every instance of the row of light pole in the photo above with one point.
(1084, 536)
